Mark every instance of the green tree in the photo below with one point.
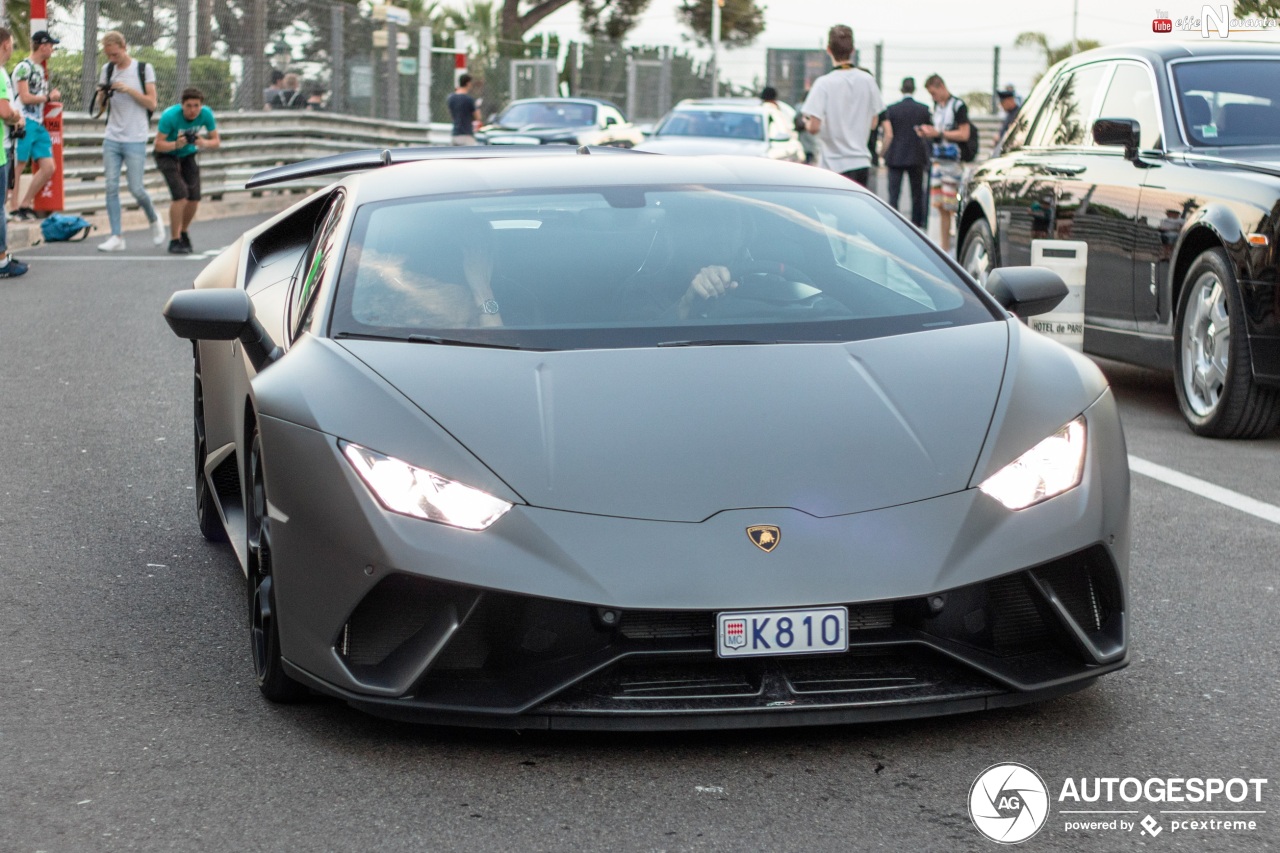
(1257, 9)
(740, 21)
(1054, 55)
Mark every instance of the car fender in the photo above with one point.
(1220, 221)
(979, 203)
(323, 387)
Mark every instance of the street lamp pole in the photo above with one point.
(715, 46)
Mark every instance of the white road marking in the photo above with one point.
(1205, 489)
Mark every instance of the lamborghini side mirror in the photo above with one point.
(221, 315)
(1026, 291)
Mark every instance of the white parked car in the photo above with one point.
(727, 126)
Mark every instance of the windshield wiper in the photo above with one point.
(459, 342)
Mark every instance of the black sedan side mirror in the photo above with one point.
(1026, 291)
(221, 315)
(1118, 131)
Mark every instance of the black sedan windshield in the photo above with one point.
(1227, 102)
(643, 266)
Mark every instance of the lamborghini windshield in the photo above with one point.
(643, 266)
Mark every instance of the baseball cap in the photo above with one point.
(1007, 92)
(40, 37)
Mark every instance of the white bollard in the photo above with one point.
(1069, 259)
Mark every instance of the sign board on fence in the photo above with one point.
(1069, 259)
(407, 65)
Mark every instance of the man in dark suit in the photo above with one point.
(906, 153)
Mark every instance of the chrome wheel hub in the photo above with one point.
(1206, 344)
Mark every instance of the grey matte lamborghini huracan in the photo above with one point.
(545, 438)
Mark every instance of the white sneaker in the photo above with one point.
(159, 235)
(114, 243)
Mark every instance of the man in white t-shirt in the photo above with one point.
(842, 109)
(129, 89)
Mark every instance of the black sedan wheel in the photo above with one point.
(978, 254)
(206, 513)
(1214, 376)
(264, 633)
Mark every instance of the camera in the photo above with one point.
(17, 131)
(190, 135)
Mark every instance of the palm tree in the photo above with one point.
(482, 21)
(1053, 55)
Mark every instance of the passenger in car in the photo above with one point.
(448, 284)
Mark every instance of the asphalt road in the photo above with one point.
(129, 719)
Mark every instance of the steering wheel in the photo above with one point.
(765, 290)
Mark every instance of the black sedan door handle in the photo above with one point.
(1062, 170)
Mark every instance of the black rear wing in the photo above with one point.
(375, 158)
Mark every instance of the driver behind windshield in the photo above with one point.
(694, 261)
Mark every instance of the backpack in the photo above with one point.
(110, 68)
(968, 148)
(64, 226)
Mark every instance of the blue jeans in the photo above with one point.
(133, 156)
(4, 228)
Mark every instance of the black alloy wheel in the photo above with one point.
(1213, 371)
(264, 633)
(206, 512)
(978, 254)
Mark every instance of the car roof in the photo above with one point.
(719, 106)
(595, 102)
(483, 174)
(1166, 51)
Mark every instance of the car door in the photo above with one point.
(1023, 195)
(1097, 194)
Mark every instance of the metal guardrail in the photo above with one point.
(251, 142)
(254, 141)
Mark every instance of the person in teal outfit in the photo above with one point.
(184, 130)
(10, 267)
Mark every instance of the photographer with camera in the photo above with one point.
(184, 130)
(10, 267)
(127, 93)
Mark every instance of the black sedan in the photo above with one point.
(561, 121)
(1165, 160)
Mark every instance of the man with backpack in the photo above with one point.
(954, 143)
(290, 97)
(127, 93)
(31, 90)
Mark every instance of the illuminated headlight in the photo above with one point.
(1052, 467)
(417, 492)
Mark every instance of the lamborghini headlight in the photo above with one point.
(417, 492)
(1052, 467)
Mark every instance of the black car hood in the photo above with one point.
(1254, 158)
(682, 434)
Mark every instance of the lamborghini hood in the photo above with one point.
(681, 434)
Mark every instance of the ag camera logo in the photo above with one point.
(1008, 803)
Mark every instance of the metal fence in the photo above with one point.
(405, 70)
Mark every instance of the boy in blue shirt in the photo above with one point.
(184, 130)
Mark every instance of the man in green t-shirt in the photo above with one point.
(184, 130)
(10, 267)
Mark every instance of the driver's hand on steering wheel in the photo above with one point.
(710, 282)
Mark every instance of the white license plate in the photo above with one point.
(755, 633)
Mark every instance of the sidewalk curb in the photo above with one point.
(24, 235)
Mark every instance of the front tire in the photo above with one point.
(978, 254)
(206, 511)
(1213, 370)
(264, 631)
